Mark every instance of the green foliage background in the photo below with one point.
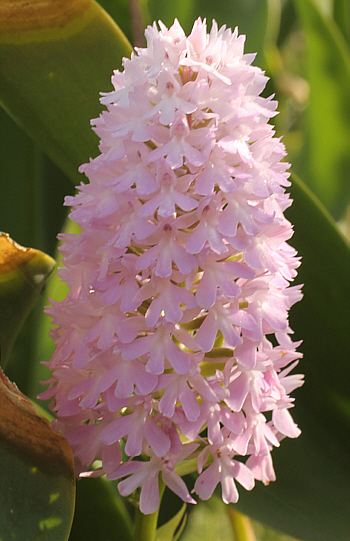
(304, 47)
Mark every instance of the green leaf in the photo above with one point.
(341, 10)
(32, 189)
(100, 513)
(207, 521)
(309, 499)
(322, 318)
(167, 531)
(120, 11)
(241, 525)
(54, 61)
(327, 136)
(23, 273)
(37, 486)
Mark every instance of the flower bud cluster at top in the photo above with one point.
(179, 276)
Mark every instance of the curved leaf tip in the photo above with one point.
(23, 273)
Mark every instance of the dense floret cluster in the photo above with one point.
(173, 343)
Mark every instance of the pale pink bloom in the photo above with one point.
(180, 274)
(168, 302)
(257, 433)
(169, 92)
(216, 171)
(145, 475)
(214, 416)
(159, 347)
(131, 225)
(138, 426)
(284, 423)
(127, 377)
(206, 231)
(224, 470)
(218, 319)
(177, 389)
(167, 251)
(178, 149)
(262, 468)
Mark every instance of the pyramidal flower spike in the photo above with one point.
(173, 344)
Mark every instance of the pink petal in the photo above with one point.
(207, 481)
(283, 421)
(158, 440)
(149, 498)
(178, 486)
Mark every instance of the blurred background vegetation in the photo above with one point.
(303, 45)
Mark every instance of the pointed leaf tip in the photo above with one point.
(23, 273)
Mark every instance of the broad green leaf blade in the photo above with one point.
(32, 189)
(23, 273)
(241, 525)
(167, 531)
(322, 318)
(100, 513)
(207, 521)
(37, 486)
(327, 135)
(55, 59)
(310, 497)
(341, 9)
(120, 11)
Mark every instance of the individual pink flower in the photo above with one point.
(145, 475)
(173, 343)
(224, 469)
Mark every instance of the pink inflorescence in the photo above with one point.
(173, 344)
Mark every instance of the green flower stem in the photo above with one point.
(186, 467)
(194, 324)
(146, 525)
(241, 525)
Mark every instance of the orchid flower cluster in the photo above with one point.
(173, 345)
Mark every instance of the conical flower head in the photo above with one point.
(180, 276)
